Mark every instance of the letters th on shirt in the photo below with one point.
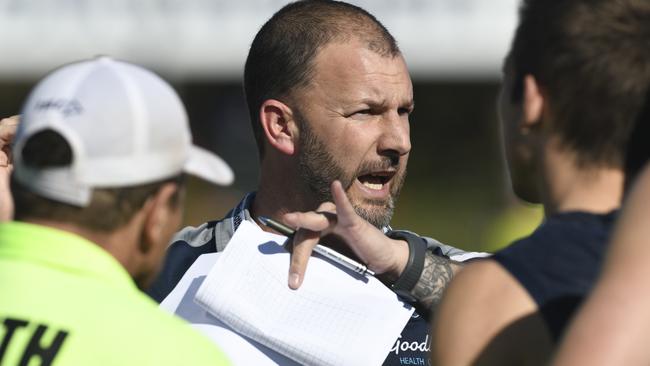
(40, 341)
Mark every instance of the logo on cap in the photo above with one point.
(66, 107)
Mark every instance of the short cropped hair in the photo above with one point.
(592, 60)
(109, 209)
(281, 57)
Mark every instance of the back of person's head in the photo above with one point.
(281, 58)
(108, 208)
(638, 148)
(96, 139)
(591, 59)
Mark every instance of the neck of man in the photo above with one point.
(120, 243)
(569, 186)
(280, 191)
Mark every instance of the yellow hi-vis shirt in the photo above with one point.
(66, 301)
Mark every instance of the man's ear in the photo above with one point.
(279, 125)
(533, 103)
(158, 216)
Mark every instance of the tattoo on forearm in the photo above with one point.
(437, 273)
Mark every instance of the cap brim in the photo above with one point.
(208, 166)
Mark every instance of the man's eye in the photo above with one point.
(363, 111)
(403, 111)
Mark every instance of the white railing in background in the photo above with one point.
(209, 39)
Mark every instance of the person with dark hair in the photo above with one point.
(613, 325)
(99, 159)
(575, 79)
(329, 97)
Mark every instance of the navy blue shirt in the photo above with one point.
(412, 346)
(559, 263)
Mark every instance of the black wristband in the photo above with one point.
(415, 265)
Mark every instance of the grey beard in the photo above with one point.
(318, 169)
(379, 221)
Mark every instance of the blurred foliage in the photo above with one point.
(515, 222)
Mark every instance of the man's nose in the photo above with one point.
(395, 135)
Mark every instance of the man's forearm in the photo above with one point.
(436, 276)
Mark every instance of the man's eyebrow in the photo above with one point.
(384, 103)
(370, 102)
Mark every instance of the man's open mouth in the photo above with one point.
(375, 180)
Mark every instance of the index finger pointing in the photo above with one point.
(304, 242)
(344, 209)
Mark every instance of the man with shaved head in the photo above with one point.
(329, 97)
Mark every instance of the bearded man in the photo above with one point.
(329, 97)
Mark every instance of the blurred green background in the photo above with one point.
(458, 189)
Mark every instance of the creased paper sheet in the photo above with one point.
(241, 351)
(335, 318)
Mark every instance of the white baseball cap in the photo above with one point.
(125, 125)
